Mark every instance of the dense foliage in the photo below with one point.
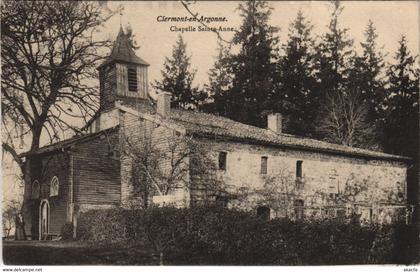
(177, 78)
(214, 235)
(253, 68)
(298, 91)
(401, 132)
(67, 231)
(326, 87)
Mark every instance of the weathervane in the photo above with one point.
(121, 14)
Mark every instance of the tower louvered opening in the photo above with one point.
(132, 79)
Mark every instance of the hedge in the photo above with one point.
(215, 235)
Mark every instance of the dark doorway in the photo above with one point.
(44, 219)
(263, 212)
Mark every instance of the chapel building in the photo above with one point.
(264, 170)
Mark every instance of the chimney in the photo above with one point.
(164, 104)
(274, 122)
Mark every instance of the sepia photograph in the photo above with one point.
(210, 133)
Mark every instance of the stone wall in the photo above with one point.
(330, 184)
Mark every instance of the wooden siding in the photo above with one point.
(142, 83)
(108, 86)
(30, 205)
(95, 176)
(114, 84)
(43, 169)
(122, 81)
(96, 171)
(134, 128)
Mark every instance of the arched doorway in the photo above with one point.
(44, 219)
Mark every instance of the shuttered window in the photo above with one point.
(132, 79)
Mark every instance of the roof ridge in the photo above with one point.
(200, 123)
(66, 142)
(310, 142)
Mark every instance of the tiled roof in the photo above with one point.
(211, 125)
(138, 104)
(67, 143)
(123, 51)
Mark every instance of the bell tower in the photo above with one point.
(123, 75)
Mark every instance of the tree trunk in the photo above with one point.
(161, 258)
(36, 137)
(15, 155)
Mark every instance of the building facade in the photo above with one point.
(138, 152)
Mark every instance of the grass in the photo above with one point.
(73, 253)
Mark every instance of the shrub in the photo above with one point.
(67, 231)
(103, 226)
(215, 235)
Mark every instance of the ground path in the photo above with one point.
(72, 253)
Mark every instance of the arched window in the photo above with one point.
(35, 189)
(54, 186)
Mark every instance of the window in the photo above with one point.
(341, 214)
(35, 189)
(132, 79)
(298, 203)
(263, 212)
(264, 162)
(54, 186)
(222, 160)
(221, 201)
(299, 169)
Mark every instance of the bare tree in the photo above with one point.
(156, 169)
(344, 120)
(49, 55)
(160, 167)
(8, 222)
(277, 191)
(285, 195)
(9, 217)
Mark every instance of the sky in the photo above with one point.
(391, 18)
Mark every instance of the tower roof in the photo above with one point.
(123, 51)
